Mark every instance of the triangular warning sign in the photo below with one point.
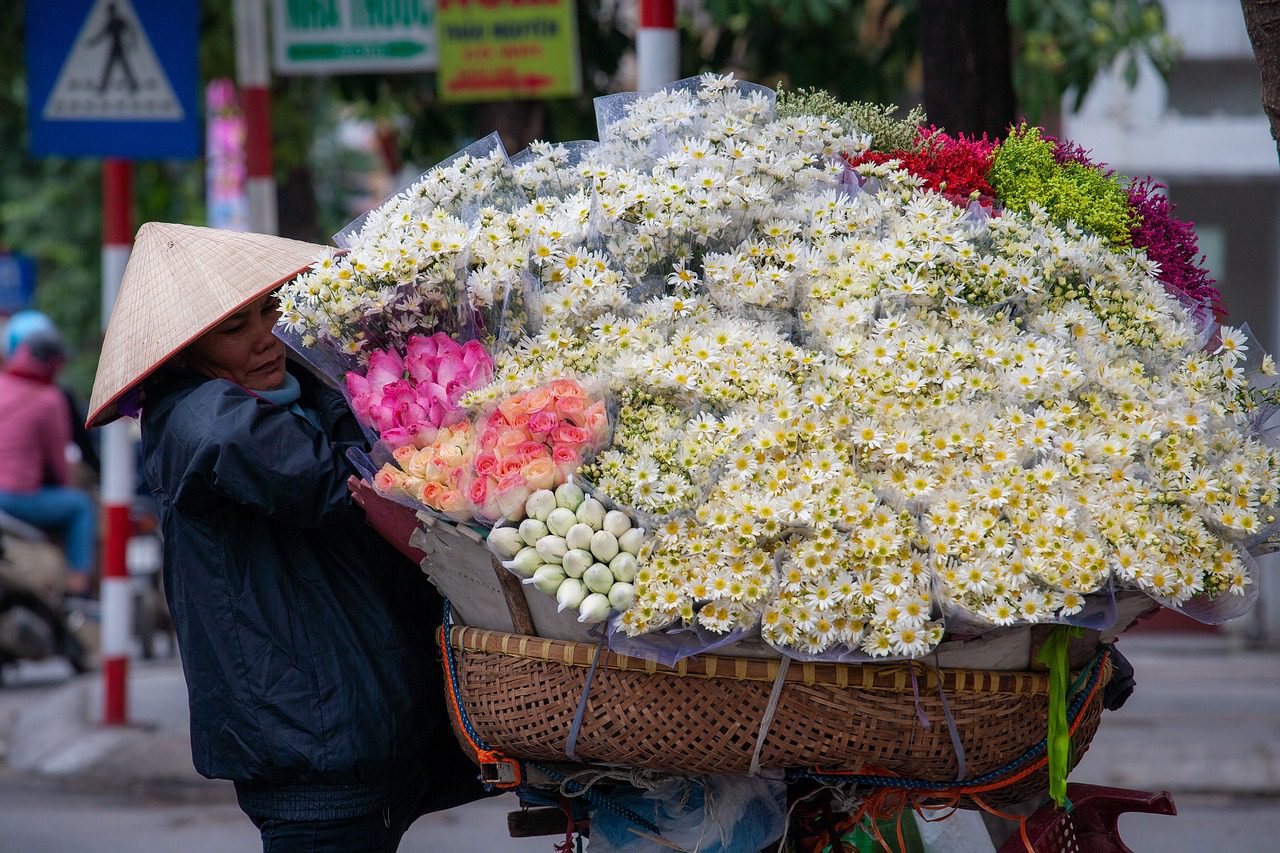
(111, 73)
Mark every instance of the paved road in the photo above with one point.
(41, 816)
(1204, 723)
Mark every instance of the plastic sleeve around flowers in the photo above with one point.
(531, 440)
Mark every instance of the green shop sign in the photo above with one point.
(354, 36)
(494, 50)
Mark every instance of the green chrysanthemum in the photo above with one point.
(1025, 172)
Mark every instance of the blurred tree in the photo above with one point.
(857, 49)
(1262, 18)
(963, 54)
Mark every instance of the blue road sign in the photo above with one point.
(17, 281)
(113, 78)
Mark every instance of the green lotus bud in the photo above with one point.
(576, 561)
(569, 496)
(632, 540)
(579, 536)
(547, 579)
(570, 594)
(560, 520)
(525, 562)
(591, 512)
(594, 608)
(505, 542)
(551, 549)
(598, 578)
(539, 504)
(604, 545)
(531, 530)
(621, 596)
(624, 567)
(616, 522)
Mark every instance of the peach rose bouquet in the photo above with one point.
(435, 475)
(532, 440)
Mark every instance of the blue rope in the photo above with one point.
(592, 796)
(1091, 674)
(453, 677)
(598, 799)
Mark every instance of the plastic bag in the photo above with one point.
(707, 814)
(671, 645)
(568, 546)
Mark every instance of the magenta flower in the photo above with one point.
(409, 398)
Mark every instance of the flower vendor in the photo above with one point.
(307, 655)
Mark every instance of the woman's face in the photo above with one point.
(242, 348)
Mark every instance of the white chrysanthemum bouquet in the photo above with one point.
(857, 395)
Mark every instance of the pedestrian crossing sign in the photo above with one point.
(114, 78)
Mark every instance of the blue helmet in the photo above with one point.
(24, 325)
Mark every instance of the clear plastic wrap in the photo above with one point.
(710, 814)
(475, 177)
(826, 367)
(533, 440)
(554, 170)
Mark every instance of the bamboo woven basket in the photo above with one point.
(520, 695)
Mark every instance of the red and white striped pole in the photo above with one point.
(118, 463)
(253, 74)
(657, 45)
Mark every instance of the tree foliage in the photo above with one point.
(870, 49)
(863, 50)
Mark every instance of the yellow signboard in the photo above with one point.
(496, 50)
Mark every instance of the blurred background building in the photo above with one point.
(1203, 134)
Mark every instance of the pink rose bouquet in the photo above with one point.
(532, 440)
(408, 398)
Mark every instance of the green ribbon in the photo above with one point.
(1054, 655)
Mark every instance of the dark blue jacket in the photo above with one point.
(306, 640)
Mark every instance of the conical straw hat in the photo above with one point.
(181, 281)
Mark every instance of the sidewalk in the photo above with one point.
(57, 732)
(55, 752)
(1204, 719)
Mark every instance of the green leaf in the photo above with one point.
(1131, 71)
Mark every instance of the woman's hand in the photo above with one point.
(393, 522)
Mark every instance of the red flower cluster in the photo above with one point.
(955, 166)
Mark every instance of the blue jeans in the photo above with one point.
(67, 512)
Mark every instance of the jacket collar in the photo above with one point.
(170, 384)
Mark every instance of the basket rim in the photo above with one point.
(895, 676)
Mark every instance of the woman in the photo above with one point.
(306, 640)
(35, 431)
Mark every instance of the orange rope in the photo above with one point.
(884, 803)
(1021, 820)
(483, 756)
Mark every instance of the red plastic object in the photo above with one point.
(394, 522)
(1091, 825)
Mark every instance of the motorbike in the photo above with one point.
(34, 623)
(144, 559)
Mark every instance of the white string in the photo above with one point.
(769, 711)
